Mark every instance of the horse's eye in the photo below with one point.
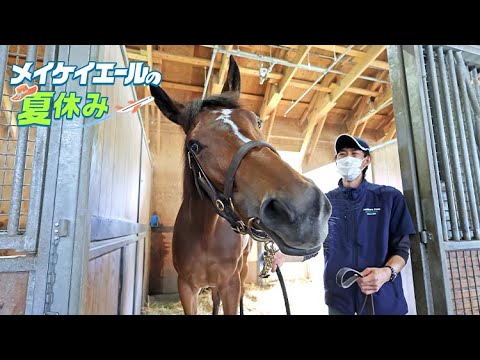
(194, 146)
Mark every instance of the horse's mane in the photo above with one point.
(228, 100)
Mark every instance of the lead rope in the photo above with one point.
(350, 281)
(268, 257)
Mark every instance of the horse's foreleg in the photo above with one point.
(215, 300)
(188, 297)
(230, 295)
(244, 273)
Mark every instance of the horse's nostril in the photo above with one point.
(278, 210)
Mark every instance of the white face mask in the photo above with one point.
(349, 167)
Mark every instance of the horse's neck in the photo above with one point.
(201, 212)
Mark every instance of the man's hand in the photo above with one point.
(373, 279)
(280, 258)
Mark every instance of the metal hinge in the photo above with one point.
(425, 237)
(62, 227)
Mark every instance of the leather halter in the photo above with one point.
(223, 202)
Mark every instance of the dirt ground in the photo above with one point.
(305, 294)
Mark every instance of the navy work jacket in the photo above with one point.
(368, 225)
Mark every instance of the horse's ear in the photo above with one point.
(170, 108)
(233, 79)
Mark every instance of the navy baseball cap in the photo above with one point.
(347, 141)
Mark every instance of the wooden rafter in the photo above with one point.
(270, 122)
(327, 102)
(362, 129)
(367, 113)
(268, 90)
(150, 56)
(315, 137)
(252, 97)
(350, 78)
(276, 94)
(220, 77)
(389, 130)
(309, 108)
(316, 120)
(273, 77)
(357, 54)
(362, 108)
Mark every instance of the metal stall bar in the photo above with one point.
(20, 158)
(38, 166)
(474, 101)
(463, 146)
(442, 143)
(467, 105)
(429, 261)
(452, 139)
(397, 57)
(474, 74)
(3, 67)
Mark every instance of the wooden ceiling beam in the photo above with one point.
(363, 102)
(349, 79)
(367, 113)
(220, 77)
(356, 54)
(274, 77)
(325, 103)
(263, 108)
(315, 138)
(276, 94)
(253, 97)
(270, 122)
(389, 130)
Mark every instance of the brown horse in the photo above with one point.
(229, 172)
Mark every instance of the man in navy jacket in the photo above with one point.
(369, 232)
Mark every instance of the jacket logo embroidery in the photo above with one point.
(372, 211)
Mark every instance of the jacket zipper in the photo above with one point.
(351, 209)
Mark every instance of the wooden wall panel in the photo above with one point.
(139, 278)
(116, 153)
(13, 293)
(386, 166)
(103, 284)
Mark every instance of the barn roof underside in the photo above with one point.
(342, 89)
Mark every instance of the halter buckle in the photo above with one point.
(219, 205)
(240, 229)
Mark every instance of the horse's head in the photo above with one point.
(291, 209)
